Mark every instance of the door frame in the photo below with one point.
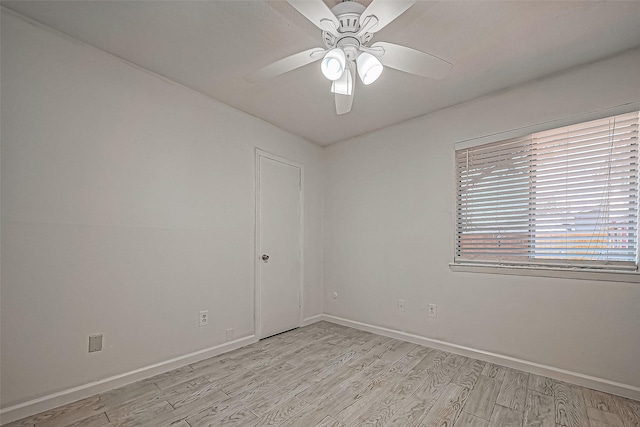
(260, 153)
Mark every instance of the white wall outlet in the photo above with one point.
(402, 304)
(229, 334)
(95, 343)
(433, 310)
(203, 318)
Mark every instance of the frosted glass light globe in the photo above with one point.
(369, 68)
(333, 64)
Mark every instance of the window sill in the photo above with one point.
(562, 273)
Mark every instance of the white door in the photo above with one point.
(279, 223)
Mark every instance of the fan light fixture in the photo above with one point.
(369, 68)
(333, 64)
(347, 31)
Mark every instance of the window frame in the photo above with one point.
(597, 272)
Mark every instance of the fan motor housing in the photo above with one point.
(348, 14)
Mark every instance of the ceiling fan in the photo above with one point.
(347, 31)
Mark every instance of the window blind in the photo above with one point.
(567, 196)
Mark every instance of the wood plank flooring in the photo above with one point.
(326, 375)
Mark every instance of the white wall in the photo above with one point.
(127, 207)
(389, 234)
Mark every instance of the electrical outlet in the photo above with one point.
(401, 305)
(203, 318)
(229, 334)
(433, 310)
(95, 343)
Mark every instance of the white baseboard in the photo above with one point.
(64, 397)
(313, 319)
(588, 381)
(35, 406)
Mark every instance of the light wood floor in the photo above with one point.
(327, 375)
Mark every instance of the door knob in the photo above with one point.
(265, 257)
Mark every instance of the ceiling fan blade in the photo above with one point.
(345, 102)
(284, 65)
(344, 85)
(317, 11)
(367, 25)
(386, 11)
(413, 61)
(378, 51)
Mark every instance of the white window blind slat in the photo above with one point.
(517, 149)
(566, 195)
(569, 140)
(524, 150)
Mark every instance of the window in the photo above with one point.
(567, 197)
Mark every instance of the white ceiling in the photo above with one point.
(210, 45)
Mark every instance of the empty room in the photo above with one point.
(319, 213)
